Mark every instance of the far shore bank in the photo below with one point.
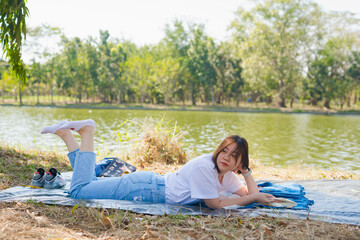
(207, 108)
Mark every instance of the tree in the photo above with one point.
(228, 69)
(271, 39)
(328, 71)
(354, 73)
(118, 59)
(13, 28)
(141, 72)
(92, 62)
(72, 48)
(36, 78)
(177, 42)
(200, 64)
(3, 69)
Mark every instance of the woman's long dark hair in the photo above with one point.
(241, 151)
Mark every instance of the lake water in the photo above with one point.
(321, 140)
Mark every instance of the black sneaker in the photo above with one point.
(38, 178)
(53, 179)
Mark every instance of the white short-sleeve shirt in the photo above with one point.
(198, 180)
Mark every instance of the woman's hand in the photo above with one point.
(264, 198)
(243, 170)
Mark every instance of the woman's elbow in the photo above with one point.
(213, 204)
(213, 207)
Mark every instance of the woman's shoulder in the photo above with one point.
(204, 160)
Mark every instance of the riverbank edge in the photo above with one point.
(196, 109)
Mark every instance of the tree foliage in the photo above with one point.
(280, 51)
(13, 28)
(272, 37)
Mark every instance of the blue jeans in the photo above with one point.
(137, 186)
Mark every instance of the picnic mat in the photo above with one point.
(336, 201)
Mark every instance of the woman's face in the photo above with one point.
(226, 159)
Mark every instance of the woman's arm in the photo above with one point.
(217, 203)
(248, 194)
(251, 186)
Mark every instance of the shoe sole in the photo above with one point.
(37, 184)
(53, 186)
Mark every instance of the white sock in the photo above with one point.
(76, 125)
(53, 129)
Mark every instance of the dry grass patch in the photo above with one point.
(298, 172)
(38, 221)
(17, 165)
(159, 143)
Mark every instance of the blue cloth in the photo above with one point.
(137, 186)
(112, 167)
(293, 192)
(101, 165)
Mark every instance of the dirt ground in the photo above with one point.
(38, 221)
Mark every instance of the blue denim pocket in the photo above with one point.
(141, 177)
(158, 194)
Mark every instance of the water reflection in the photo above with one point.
(329, 141)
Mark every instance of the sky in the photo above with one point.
(143, 21)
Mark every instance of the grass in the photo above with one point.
(16, 164)
(158, 143)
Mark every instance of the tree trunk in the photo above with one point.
(3, 92)
(86, 94)
(212, 95)
(38, 94)
(327, 103)
(348, 100)
(193, 98)
(238, 100)
(291, 102)
(281, 101)
(313, 102)
(20, 97)
(355, 98)
(3, 87)
(119, 96)
(268, 99)
(52, 93)
(202, 95)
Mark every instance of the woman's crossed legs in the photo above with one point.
(143, 186)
